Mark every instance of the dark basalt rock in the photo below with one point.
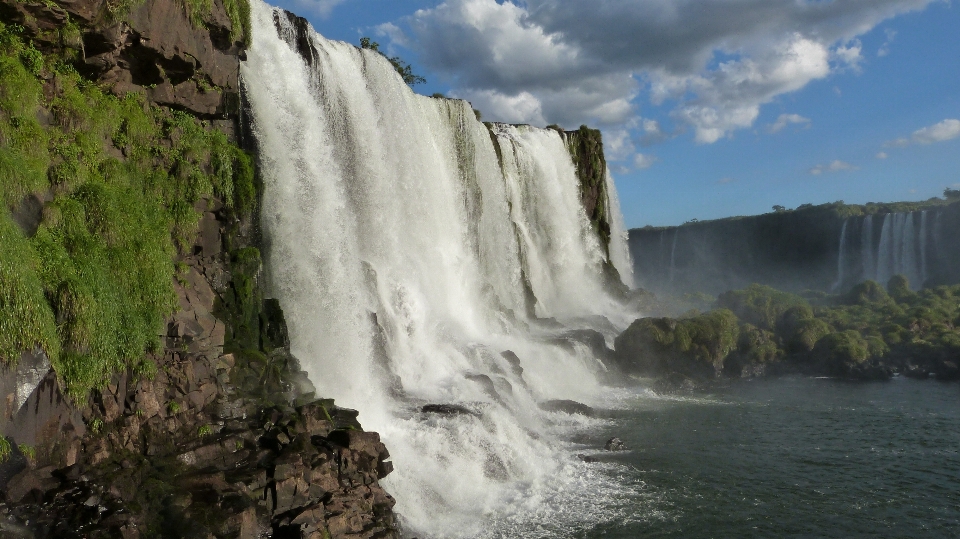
(615, 444)
(448, 410)
(568, 407)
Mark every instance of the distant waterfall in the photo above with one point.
(923, 247)
(885, 250)
(902, 249)
(866, 249)
(841, 257)
(398, 225)
(673, 253)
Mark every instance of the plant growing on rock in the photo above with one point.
(87, 278)
(403, 68)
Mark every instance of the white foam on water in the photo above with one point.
(401, 238)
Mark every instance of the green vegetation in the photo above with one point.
(868, 332)
(118, 180)
(28, 451)
(5, 449)
(403, 68)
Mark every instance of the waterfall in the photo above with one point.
(885, 260)
(923, 249)
(619, 248)
(840, 257)
(402, 239)
(909, 263)
(866, 250)
(673, 253)
(899, 221)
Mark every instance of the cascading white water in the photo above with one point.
(619, 249)
(923, 248)
(885, 251)
(901, 251)
(897, 251)
(909, 262)
(840, 257)
(866, 249)
(396, 222)
(673, 253)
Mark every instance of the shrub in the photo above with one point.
(865, 293)
(805, 335)
(759, 305)
(842, 350)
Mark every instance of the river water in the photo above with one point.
(789, 457)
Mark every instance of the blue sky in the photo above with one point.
(709, 108)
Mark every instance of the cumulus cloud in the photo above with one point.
(642, 161)
(835, 166)
(882, 155)
(850, 54)
(939, 132)
(786, 119)
(321, 8)
(591, 61)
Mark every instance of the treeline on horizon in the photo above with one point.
(870, 332)
(836, 210)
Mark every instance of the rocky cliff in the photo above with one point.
(830, 248)
(149, 389)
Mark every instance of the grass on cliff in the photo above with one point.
(119, 180)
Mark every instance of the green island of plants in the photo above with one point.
(870, 332)
(90, 282)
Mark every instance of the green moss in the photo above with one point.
(586, 149)
(120, 178)
(26, 319)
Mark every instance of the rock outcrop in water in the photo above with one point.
(868, 333)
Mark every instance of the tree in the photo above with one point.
(778, 208)
(951, 194)
(403, 68)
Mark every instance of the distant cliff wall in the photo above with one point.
(830, 247)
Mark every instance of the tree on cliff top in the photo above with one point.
(403, 68)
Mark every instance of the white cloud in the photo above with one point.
(321, 8)
(885, 48)
(617, 145)
(945, 130)
(587, 61)
(850, 54)
(882, 155)
(786, 119)
(834, 166)
(523, 108)
(642, 161)
(939, 132)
